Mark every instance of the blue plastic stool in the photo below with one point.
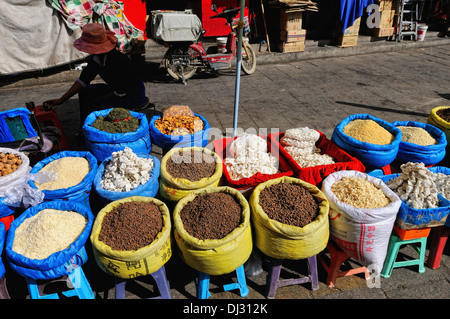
(80, 286)
(161, 281)
(395, 243)
(202, 284)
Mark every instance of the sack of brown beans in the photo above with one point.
(363, 210)
(290, 218)
(186, 169)
(212, 230)
(134, 230)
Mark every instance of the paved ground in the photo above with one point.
(318, 93)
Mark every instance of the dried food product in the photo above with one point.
(118, 120)
(416, 135)
(444, 114)
(9, 163)
(179, 124)
(190, 164)
(300, 143)
(126, 171)
(368, 131)
(131, 225)
(289, 204)
(249, 155)
(47, 232)
(175, 110)
(211, 215)
(359, 192)
(70, 171)
(418, 187)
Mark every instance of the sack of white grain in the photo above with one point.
(47, 241)
(126, 174)
(12, 181)
(421, 143)
(362, 215)
(186, 161)
(75, 172)
(425, 195)
(373, 141)
(102, 144)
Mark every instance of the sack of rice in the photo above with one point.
(47, 241)
(362, 214)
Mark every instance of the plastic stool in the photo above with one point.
(273, 278)
(51, 117)
(202, 284)
(337, 258)
(161, 281)
(395, 243)
(3, 290)
(439, 238)
(76, 279)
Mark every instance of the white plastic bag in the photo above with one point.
(362, 233)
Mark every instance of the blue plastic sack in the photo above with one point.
(59, 263)
(11, 134)
(429, 154)
(149, 189)
(411, 218)
(2, 242)
(371, 155)
(78, 193)
(102, 144)
(5, 210)
(167, 142)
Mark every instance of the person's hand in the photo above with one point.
(52, 103)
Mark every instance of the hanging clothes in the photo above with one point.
(352, 10)
(109, 13)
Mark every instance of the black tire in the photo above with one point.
(248, 62)
(177, 71)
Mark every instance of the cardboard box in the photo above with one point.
(293, 35)
(286, 47)
(387, 18)
(348, 40)
(381, 32)
(353, 29)
(384, 5)
(291, 20)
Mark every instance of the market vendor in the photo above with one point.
(122, 88)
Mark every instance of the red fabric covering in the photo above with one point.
(7, 221)
(136, 13)
(221, 147)
(315, 175)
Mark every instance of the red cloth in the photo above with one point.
(7, 221)
(221, 147)
(315, 175)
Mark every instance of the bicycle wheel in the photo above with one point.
(248, 62)
(178, 64)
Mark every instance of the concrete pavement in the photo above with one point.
(316, 92)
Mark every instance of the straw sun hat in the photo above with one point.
(95, 39)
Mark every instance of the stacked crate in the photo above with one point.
(292, 36)
(349, 37)
(387, 14)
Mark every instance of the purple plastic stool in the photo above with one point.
(3, 290)
(161, 281)
(273, 278)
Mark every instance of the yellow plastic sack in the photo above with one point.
(133, 263)
(214, 256)
(437, 121)
(174, 189)
(282, 241)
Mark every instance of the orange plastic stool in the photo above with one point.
(337, 258)
(439, 238)
(50, 118)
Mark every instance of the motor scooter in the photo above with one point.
(183, 59)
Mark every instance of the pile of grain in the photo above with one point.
(368, 131)
(47, 232)
(444, 114)
(192, 165)
(416, 135)
(359, 192)
(118, 120)
(70, 171)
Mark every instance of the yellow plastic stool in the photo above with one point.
(395, 243)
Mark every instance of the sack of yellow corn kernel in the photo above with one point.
(174, 188)
(214, 256)
(132, 263)
(437, 121)
(282, 241)
(179, 131)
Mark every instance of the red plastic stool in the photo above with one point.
(439, 238)
(7, 220)
(49, 118)
(337, 258)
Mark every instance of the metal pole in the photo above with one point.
(238, 67)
